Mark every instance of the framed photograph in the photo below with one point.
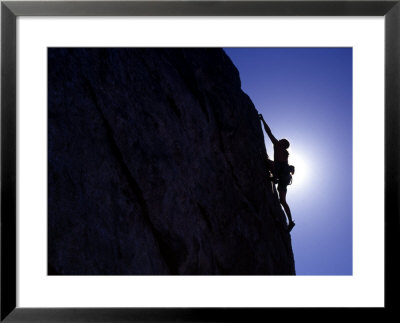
(197, 160)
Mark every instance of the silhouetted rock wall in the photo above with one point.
(155, 166)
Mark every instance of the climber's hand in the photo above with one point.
(261, 117)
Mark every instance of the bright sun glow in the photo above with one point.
(301, 169)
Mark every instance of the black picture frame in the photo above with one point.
(10, 10)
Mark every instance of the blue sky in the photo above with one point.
(305, 95)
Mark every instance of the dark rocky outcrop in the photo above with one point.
(155, 166)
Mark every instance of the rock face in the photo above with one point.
(155, 166)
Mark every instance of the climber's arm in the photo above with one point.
(268, 130)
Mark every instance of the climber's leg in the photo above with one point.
(271, 170)
(282, 199)
(270, 164)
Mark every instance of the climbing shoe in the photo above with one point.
(290, 226)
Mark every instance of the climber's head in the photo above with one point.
(284, 143)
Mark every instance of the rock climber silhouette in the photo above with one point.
(280, 169)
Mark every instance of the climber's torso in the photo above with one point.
(281, 155)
